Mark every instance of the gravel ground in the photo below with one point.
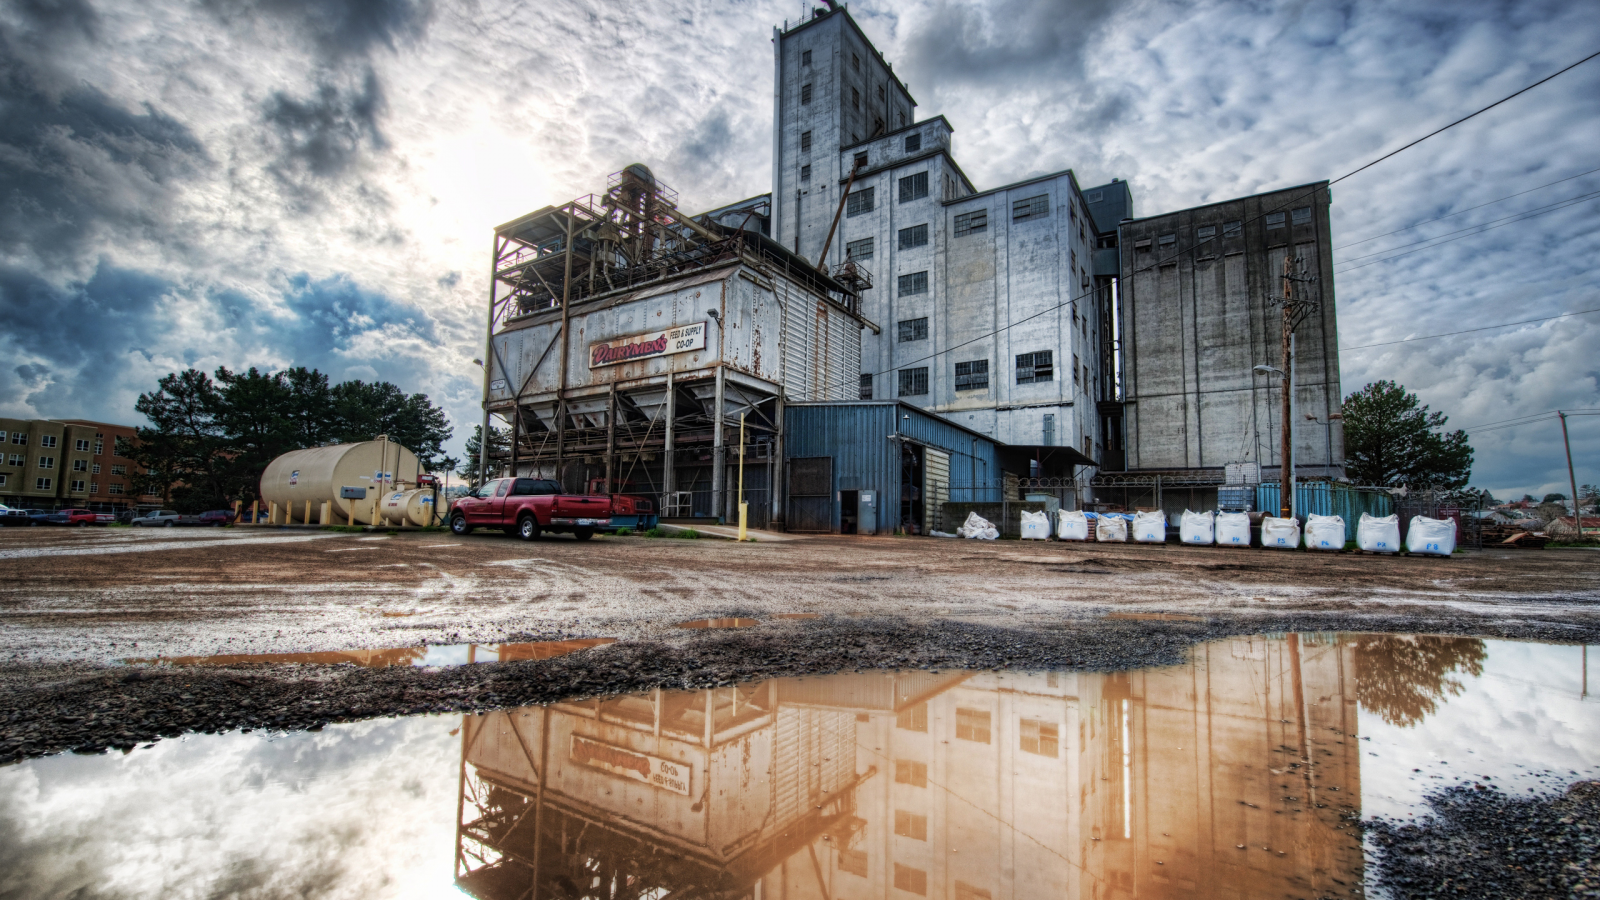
(1480, 843)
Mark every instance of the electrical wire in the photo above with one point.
(1072, 301)
(1464, 211)
(1528, 213)
(1429, 337)
(1435, 242)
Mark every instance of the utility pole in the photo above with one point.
(1577, 505)
(1295, 310)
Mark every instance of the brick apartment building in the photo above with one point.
(51, 464)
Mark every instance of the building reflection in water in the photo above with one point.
(1226, 777)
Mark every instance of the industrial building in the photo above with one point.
(1103, 358)
(1230, 775)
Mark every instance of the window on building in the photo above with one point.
(861, 201)
(861, 249)
(805, 57)
(1075, 380)
(805, 93)
(910, 772)
(1167, 240)
(805, 173)
(1043, 738)
(972, 724)
(913, 142)
(99, 445)
(855, 98)
(1274, 220)
(42, 484)
(860, 159)
(80, 465)
(972, 222)
(19, 437)
(77, 486)
(880, 93)
(855, 62)
(1301, 216)
(82, 444)
(17, 459)
(805, 142)
(3, 478)
(910, 825)
(119, 470)
(94, 487)
(866, 386)
(853, 861)
(912, 718)
(1206, 232)
(913, 187)
(47, 462)
(972, 375)
(1232, 229)
(914, 330)
(902, 120)
(48, 440)
(914, 881)
(914, 283)
(914, 382)
(915, 236)
(1039, 366)
(1030, 208)
(113, 488)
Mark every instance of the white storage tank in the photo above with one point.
(412, 506)
(320, 474)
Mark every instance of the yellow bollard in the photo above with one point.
(236, 505)
(352, 513)
(308, 513)
(325, 516)
(272, 513)
(255, 512)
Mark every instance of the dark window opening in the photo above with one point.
(913, 143)
(805, 58)
(866, 387)
(1031, 208)
(914, 330)
(914, 283)
(805, 93)
(914, 382)
(914, 187)
(861, 249)
(915, 236)
(972, 222)
(805, 142)
(1275, 220)
(861, 201)
(1035, 367)
(972, 375)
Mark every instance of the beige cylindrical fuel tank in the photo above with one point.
(413, 506)
(319, 473)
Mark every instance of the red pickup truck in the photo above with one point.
(526, 507)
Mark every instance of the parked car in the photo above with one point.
(163, 518)
(37, 517)
(13, 517)
(79, 517)
(216, 517)
(527, 507)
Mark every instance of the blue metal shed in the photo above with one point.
(875, 466)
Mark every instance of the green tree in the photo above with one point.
(362, 411)
(1404, 678)
(1390, 439)
(180, 456)
(499, 442)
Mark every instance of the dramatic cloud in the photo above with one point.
(277, 182)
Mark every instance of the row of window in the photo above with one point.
(76, 487)
(48, 441)
(971, 375)
(1274, 220)
(1035, 736)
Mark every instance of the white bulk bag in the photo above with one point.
(1035, 525)
(1198, 528)
(1435, 537)
(1110, 528)
(1282, 533)
(1378, 534)
(1073, 525)
(977, 528)
(1150, 527)
(1324, 532)
(1233, 529)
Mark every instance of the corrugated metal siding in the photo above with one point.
(857, 436)
(1326, 498)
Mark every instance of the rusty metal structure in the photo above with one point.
(627, 340)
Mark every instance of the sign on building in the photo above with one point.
(651, 770)
(616, 351)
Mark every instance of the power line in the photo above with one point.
(1530, 419)
(1530, 213)
(1465, 211)
(1520, 217)
(1428, 337)
(1072, 301)
(1465, 118)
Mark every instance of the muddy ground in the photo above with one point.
(77, 604)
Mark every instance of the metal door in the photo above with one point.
(935, 486)
(811, 494)
(867, 515)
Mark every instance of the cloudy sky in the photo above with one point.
(277, 182)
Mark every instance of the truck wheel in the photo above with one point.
(82, 524)
(169, 523)
(528, 528)
(458, 525)
(583, 534)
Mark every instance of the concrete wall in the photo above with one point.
(1196, 317)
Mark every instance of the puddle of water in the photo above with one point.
(431, 655)
(719, 623)
(798, 616)
(1227, 776)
